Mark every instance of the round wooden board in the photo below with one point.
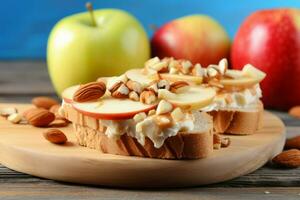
(23, 148)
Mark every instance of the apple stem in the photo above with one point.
(89, 7)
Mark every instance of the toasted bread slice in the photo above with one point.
(192, 145)
(239, 121)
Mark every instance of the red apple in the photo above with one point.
(270, 40)
(197, 38)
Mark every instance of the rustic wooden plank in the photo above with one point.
(266, 176)
(35, 191)
(24, 77)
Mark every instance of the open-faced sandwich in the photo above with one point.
(236, 108)
(169, 109)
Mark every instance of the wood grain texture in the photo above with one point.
(23, 148)
(47, 191)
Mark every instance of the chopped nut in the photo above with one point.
(153, 88)
(139, 117)
(163, 121)
(121, 92)
(152, 61)
(148, 97)
(115, 86)
(179, 86)
(5, 112)
(163, 84)
(134, 96)
(174, 64)
(151, 112)
(15, 118)
(123, 89)
(186, 66)
(223, 66)
(161, 67)
(198, 70)
(173, 71)
(123, 78)
(177, 114)
(163, 107)
(135, 86)
(163, 93)
(225, 142)
(212, 71)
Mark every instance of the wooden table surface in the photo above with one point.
(22, 80)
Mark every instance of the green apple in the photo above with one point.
(80, 51)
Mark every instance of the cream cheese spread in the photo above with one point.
(238, 100)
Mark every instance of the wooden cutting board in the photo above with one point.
(23, 148)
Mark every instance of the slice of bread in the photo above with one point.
(192, 145)
(243, 121)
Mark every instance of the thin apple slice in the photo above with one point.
(175, 77)
(139, 75)
(194, 98)
(68, 93)
(251, 71)
(238, 80)
(241, 82)
(112, 109)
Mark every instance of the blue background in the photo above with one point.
(25, 25)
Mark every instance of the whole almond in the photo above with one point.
(27, 111)
(292, 143)
(54, 109)
(59, 123)
(44, 102)
(178, 86)
(55, 136)
(295, 111)
(89, 92)
(39, 117)
(289, 158)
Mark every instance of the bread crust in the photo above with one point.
(180, 146)
(90, 133)
(238, 122)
